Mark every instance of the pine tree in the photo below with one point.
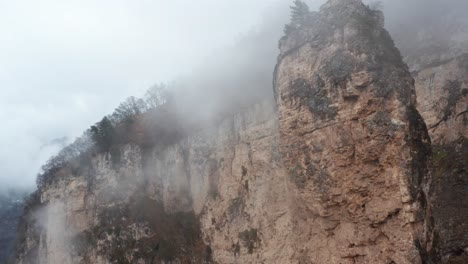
(300, 12)
(103, 134)
(299, 15)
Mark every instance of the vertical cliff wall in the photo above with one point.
(219, 195)
(439, 68)
(335, 169)
(353, 142)
(442, 92)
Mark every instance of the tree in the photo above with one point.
(74, 151)
(103, 134)
(128, 109)
(157, 95)
(300, 14)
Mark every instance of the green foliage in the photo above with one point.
(136, 120)
(299, 11)
(103, 134)
(300, 14)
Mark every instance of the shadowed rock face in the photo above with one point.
(449, 208)
(354, 144)
(442, 92)
(440, 71)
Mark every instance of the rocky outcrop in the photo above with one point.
(439, 68)
(442, 92)
(334, 169)
(353, 142)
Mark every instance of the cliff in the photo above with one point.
(442, 90)
(355, 145)
(217, 195)
(337, 168)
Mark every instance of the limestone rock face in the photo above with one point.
(441, 82)
(335, 169)
(233, 180)
(352, 140)
(220, 195)
(442, 92)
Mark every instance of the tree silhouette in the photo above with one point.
(300, 14)
(157, 95)
(103, 134)
(129, 109)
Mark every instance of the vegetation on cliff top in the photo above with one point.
(300, 14)
(147, 122)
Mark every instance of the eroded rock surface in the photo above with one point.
(220, 196)
(352, 141)
(441, 82)
(442, 92)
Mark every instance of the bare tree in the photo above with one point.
(128, 109)
(157, 95)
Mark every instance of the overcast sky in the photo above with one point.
(64, 64)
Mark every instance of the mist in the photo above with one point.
(427, 28)
(65, 65)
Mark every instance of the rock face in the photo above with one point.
(351, 138)
(334, 169)
(441, 81)
(220, 195)
(442, 91)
